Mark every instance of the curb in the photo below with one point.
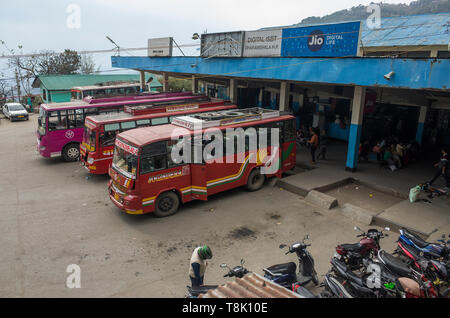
(321, 199)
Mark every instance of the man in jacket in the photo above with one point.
(198, 264)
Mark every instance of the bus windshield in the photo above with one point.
(89, 138)
(125, 162)
(42, 120)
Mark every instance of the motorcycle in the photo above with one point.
(335, 287)
(285, 274)
(415, 284)
(237, 271)
(434, 270)
(429, 250)
(368, 285)
(353, 254)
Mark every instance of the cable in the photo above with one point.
(222, 41)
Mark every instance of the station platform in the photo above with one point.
(377, 190)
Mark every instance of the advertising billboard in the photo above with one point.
(328, 40)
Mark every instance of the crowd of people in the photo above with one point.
(391, 152)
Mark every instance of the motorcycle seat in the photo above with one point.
(352, 247)
(281, 269)
(415, 239)
(394, 264)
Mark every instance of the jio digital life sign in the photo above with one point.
(328, 40)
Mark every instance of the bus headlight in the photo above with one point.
(90, 161)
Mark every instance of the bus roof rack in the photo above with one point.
(224, 118)
(174, 102)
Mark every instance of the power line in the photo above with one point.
(213, 44)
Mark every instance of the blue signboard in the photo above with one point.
(328, 40)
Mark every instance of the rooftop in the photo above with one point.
(66, 82)
(250, 286)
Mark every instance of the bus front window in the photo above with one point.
(42, 121)
(125, 161)
(89, 138)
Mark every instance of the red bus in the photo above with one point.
(146, 178)
(100, 131)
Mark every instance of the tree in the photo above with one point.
(87, 65)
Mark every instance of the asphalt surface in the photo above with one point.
(53, 214)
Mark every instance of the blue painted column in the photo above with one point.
(355, 128)
(421, 124)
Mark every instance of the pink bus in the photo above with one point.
(61, 125)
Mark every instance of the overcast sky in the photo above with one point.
(43, 24)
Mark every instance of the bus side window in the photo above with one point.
(154, 157)
(107, 138)
(57, 120)
(289, 130)
(143, 122)
(160, 121)
(128, 125)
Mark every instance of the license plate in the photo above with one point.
(338, 256)
(20, 116)
(116, 196)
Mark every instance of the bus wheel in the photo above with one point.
(255, 180)
(166, 204)
(71, 152)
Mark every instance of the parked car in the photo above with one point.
(15, 111)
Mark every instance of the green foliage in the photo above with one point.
(177, 84)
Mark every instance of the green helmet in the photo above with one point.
(205, 252)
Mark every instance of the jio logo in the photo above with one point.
(315, 40)
(69, 134)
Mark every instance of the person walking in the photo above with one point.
(442, 166)
(313, 143)
(198, 264)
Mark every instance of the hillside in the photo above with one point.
(387, 10)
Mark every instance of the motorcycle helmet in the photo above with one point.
(205, 252)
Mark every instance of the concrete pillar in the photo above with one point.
(233, 90)
(260, 97)
(194, 85)
(421, 124)
(355, 127)
(434, 53)
(284, 96)
(142, 81)
(165, 82)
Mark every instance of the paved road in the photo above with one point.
(53, 214)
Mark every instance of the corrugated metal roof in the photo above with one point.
(250, 286)
(66, 82)
(412, 30)
(424, 29)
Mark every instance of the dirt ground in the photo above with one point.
(53, 214)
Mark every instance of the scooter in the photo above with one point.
(353, 254)
(285, 274)
(237, 271)
(429, 250)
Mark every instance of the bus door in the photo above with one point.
(288, 142)
(198, 172)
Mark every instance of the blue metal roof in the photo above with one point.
(423, 29)
(412, 30)
(409, 73)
